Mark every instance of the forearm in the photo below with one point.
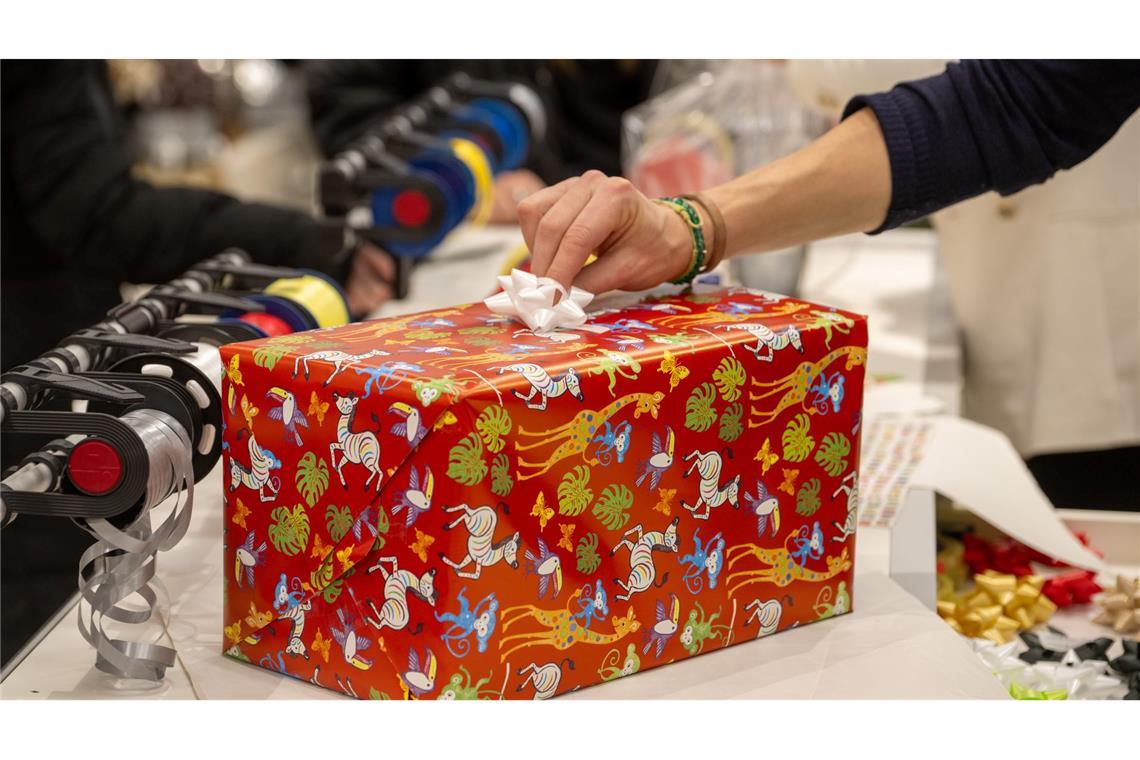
(839, 184)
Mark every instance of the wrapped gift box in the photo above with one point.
(447, 505)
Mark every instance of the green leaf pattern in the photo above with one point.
(730, 422)
(289, 532)
(312, 477)
(338, 520)
(465, 462)
(587, 554)
(797, 443)
(612, 507)
(807, 498)
(729, 376)
(832, 452)
(699, 412)
(494, 424)
(501, 482)
(574, 494)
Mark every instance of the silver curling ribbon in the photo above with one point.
(122, 562)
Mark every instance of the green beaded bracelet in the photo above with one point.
(689, 214)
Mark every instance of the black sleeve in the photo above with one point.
(995, 125)
(345, 96)
(71, 172)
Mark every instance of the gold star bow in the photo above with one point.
(999, 606)
(1120, 607)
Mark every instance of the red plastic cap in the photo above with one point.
(95, 467)
(267, 323)
(411, 208)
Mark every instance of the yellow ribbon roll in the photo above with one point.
(322, 299)
(476, 160)
(999, 606)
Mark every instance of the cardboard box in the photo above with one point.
(445, 505)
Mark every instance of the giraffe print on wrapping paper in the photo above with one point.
(562, 630)
(578, 433)
(782, 569)
(797, 384)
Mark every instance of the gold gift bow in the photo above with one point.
(999, 606)
(1120, 608)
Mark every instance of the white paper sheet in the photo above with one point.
(979, 469)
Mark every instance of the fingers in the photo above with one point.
(365, 295)
(368, 281)
(378, 262)
(600, 218)
(532, 208)
(565, 224)
(558, 218)
(606, 274)
(626, 269)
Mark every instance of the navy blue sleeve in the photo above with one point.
(995, 125)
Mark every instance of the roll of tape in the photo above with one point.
(472, 155)
(512, 129)
(320, 296)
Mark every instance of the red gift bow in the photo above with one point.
(1013, 558)
(1008, 556)
(1077, 587)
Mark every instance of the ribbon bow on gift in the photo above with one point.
(532, 300)
(999, 606)
(1121, 606)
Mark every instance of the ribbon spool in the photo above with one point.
(121, 563)
(200, 374)
(295, 304)
(509, 125)
(455, 179)
(461, 179)
(410, 209)
(476, 160)
(315, 292)
(267, 325)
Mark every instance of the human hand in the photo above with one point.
(369, 279)
(639, 243)
(511, 188)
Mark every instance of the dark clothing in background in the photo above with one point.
(585, 101)
(995, 125)
(76, 224)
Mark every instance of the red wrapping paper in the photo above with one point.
(446, 506)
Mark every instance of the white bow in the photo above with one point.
(531, 299)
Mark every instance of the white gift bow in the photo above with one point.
(1089, 679)
(530, 299)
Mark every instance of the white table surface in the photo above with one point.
(890, 647)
